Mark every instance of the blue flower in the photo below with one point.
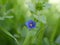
(31, 24)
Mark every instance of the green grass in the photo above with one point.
(13, 16)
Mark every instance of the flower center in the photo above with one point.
(30, 24)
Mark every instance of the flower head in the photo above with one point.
(31, 24)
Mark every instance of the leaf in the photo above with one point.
(41, 18)
(31, 7)
(10, 36)
(58, 40)
(46, 41)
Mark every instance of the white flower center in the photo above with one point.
(30, 24)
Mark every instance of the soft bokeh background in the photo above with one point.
(15, 13)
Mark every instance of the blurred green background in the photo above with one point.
(15, 13)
